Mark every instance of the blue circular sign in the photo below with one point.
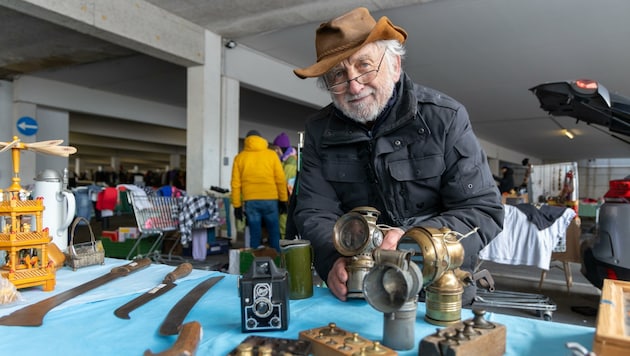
(27, 126)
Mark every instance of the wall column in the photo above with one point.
(203, 134)
(230, 119)
(6, 130)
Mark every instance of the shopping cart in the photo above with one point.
(155, 216)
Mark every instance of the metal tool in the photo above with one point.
(33, 315)
(186, 343)
(490, 297)
(167, 284)
(540, 303)
(175, 317)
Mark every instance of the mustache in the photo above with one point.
(361, 95)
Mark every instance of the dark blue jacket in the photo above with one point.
(420, 165)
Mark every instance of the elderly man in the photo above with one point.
(405, 149)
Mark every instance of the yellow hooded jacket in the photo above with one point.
(257, 174)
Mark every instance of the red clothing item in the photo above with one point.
(107, 199)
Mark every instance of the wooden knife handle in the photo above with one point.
(186, 343)
(182, 270)
(135, 265)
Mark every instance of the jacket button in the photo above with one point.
(470, 186)
(421, 130)
(397, 142)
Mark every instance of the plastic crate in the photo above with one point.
(121, 249)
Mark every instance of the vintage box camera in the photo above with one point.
(264, 293)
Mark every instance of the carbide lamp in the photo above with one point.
(392, 287)
(356, 235)
(440, 254)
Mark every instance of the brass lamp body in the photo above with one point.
(392, 287)
(442, 255)
(356, 235)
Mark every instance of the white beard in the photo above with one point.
(365, 112)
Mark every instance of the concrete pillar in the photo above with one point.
(53, 125)
(203, 135)
(114, 162)
(494, 166)
(77, 166)
(6, 131)
(27, 159)
(175, 161)
(230, 119)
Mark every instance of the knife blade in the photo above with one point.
(33, 315)
(177, 314)
(167, 284)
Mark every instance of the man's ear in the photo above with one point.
(397, 68)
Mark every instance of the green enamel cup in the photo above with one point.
(297, 258)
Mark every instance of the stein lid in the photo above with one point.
(293, 243)
(48, 175)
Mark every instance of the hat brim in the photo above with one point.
(383, 30)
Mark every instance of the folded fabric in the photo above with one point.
(542, 217)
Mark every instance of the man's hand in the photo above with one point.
(337, 278)
(391, 238)
(238, 213)
(283, 207)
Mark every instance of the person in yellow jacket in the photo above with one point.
(259, 186)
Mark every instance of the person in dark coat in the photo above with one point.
(506, 180)
(407, 150)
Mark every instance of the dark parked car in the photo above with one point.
(589, 101)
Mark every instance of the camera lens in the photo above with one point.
(262, 308)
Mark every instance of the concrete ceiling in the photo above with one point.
(485, 53)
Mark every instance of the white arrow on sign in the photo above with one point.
(24, 125)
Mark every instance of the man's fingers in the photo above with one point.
(391, 238)
(337, 278)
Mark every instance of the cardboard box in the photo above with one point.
(574, 234)
(125, 233)
(218, 247)
(112, 235)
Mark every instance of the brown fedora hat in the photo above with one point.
(341, 37)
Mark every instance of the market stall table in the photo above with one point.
(86, 324)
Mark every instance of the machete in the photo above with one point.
(175, 317)
(186, 343)
(167, 284)
(33, 315)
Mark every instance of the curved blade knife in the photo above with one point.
(175, 317)
(33, 315)
(167, 284)
(186, 343)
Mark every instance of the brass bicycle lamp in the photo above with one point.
(356, 235)
(440, 255)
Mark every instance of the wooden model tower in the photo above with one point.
(21, 233)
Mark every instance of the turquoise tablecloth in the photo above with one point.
(86, 325)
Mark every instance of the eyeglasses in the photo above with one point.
(363, 78)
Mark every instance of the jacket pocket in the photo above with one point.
(417, 168)
(344, 172)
